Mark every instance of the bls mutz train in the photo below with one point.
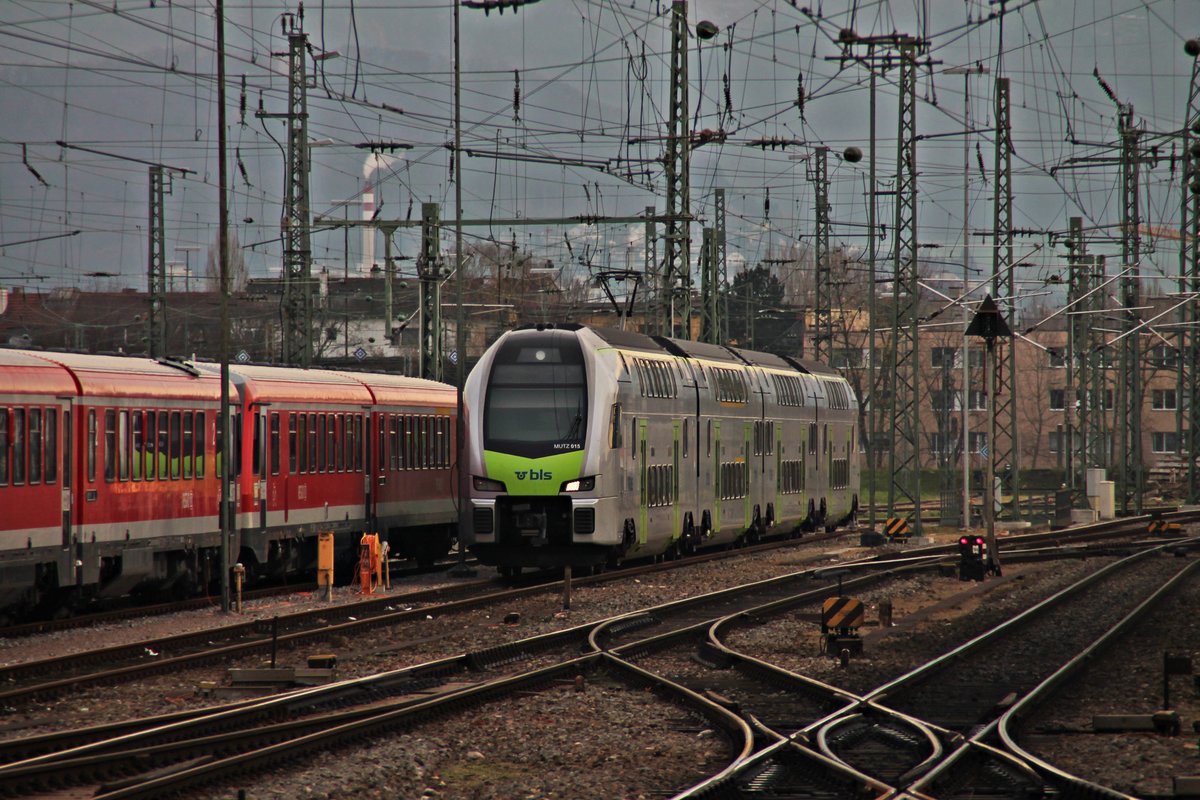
(110, 473)
(586, 446)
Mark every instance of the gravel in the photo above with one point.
(560, 743)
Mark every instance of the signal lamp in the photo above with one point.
(579, 485)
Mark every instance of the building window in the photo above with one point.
(944, 356)
(1057, 357)
(944, 401)
(1058, 399)
(1164, 441)
(1163, 399)
(977, 400)
(1162, 355)
(977, 441)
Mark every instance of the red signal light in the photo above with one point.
(978, 540)
(964, 540)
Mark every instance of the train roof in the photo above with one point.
(402, 389)
(25, 373)
(662, 345)
(292, 384)
(129, 376)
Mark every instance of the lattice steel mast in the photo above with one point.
(677, 239)
(905, 422)
(1004, 451)
(1129, 384)
(823, 310)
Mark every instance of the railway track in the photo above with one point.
(405, 697)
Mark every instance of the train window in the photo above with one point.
(148, 453)
(189, 442)
(312, 443)
(614, 426)
(4, 456)
(331, 444)
(275, 460)
(176, 443)
(256, 453)
(291, 443)
(139, 444)
(825, 439)
(303, 446)
(340, 419)
(812, 437)
(164, 445)
(110, 445)
(36, 445)
(91, 445)
(235, 446)
(708, 440)
(320, 445)
(351, 441)
(201, 439)
(123, 445)
(68, 437)
(396, 438)
(686, 433)
(446, 444)
(359, 441)
(633, 437)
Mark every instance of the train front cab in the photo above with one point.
(541, 464)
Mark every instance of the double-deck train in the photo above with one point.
(590, 445)
(109, 472)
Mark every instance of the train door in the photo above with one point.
(718, 489)
(261, 465)
(65, 451)
(750, 479)
(676, 525)
(643, 481)
(363, 445)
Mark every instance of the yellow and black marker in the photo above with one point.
(896, 529)
(841, 617)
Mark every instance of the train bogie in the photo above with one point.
(592, 445)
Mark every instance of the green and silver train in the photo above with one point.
(589, 445)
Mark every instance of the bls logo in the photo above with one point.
(534, 474)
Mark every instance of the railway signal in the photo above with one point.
(972, 550)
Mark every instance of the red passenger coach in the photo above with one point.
(309, 462)
(133, 487)
(413, 452)
(35, 476)
(109, 472)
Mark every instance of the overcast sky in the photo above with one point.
(577, 91)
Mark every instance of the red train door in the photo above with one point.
(368, 447)
(64, 451)
(260, 459)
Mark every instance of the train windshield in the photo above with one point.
(536, 396)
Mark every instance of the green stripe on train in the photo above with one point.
(533, 476)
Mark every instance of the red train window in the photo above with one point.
(123, 445)
(176, 439)
(4, 455)
(189, 442)
(201, 439)
(359, 442)
(36, 444)
(110, 445)
(331, 446)
(312, 443)
(91, 445)
(292, 444)
(164, 445)
(139, 445)
(303, 438)
(274, 442)
(151, 439)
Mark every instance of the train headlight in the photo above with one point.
(487, 484)
(579, 485)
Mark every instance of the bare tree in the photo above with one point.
(239, 274)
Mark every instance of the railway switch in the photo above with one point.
(841, 617)
(972, 558)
